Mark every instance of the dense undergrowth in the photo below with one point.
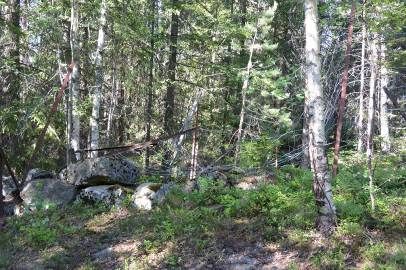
(282, 212)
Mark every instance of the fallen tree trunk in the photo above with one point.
(138, 146)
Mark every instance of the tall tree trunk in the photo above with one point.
(362, 84)
(169, 123)
(316, 110)
(193, 162)
(187, 123)
(122, 118)
(12, 35)
(2, 214)
(384, 119)
(371, 111)
(343, 96)
(10, 71)
(74, 93)
(305, 163)
(150, 81)
(112, 104)
(99, 79)
(244, 90)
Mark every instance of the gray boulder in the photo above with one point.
(161, 193)
(8, 187)
(143, 196)
(102, 171)
(108, 194)
(148, 194)
(44, 193)
(37, 173)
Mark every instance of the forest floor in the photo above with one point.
(223, 228)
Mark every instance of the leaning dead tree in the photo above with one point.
(40, 140)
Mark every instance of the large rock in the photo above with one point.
(43, 193)
(143, 196)
(8, 187)
(108, 194)
(148, 194)
(37, 173)
(102, 171)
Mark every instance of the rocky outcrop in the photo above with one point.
(44, 193)
(102, 171)
(108, 194)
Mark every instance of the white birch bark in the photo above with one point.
(315, 116)
(371, 111)
(362, 84)
(97, 92)
(384, 119)
(75, 80)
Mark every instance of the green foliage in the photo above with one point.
(383, 256)
(257, 153)
(330, 259)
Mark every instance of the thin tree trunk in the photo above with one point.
(11, 51)
(169, 123)
(317, 138)
(10, 67)
(2, 214)
(362, 84)
(112, 104)
(371, 111)
(195, 150)
(384, 119)
(244, 89)
(187, 123)
(99, 79)
(343, 96)
(305, 164)
(150, 82)
(74, 95)
(122, 114)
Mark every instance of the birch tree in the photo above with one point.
(371, 111)
(383, 101)
(317, 138)
(362, 83)
(74, 93)
(97, 92)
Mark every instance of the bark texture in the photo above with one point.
(169, 123)
(362, 85)
(150, 82)
(97, 93)
(371, 111)
(317, 138)
(74, 93)
(384, 115)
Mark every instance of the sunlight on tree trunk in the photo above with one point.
(383, 101)
(371, 111)
(317, 139)
(362, 84)
(99, 79)
(74, 95)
